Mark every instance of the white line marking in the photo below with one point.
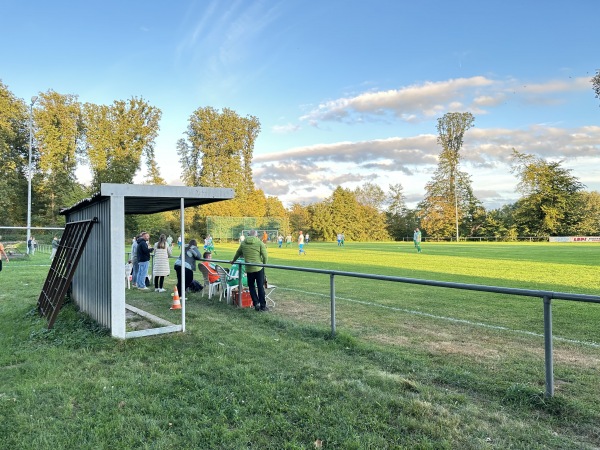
(451, 319)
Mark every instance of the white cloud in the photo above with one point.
(424, 100)
(285, 129)
(314, 171)
(431, 99)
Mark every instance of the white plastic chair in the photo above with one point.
(209, 288)
(225, 288)
(269, 288)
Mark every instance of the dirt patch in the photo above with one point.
(136, 322)
(442, 339)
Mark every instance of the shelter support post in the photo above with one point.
(182, 225)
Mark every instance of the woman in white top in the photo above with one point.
(161, 267)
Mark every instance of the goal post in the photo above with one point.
(16, 241)
(223, 228)
(271, 234)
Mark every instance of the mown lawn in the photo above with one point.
(410, 367)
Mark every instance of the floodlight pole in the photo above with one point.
(29, 170)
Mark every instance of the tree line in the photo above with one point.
(115, 141)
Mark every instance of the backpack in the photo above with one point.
(195, 286)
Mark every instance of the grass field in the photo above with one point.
(410, 367)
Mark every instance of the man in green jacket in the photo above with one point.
(254, 251)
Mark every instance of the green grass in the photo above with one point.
(410, 367)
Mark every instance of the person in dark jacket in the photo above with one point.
(192, 254)
(143, 254)
(254, 251)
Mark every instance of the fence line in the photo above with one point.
(546, 296)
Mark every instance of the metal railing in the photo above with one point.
(546, 296)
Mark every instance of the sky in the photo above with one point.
(347, 92)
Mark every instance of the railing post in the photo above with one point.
(332, 294)
(548, 346)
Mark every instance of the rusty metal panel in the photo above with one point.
(63, 268)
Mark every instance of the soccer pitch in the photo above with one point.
(411, 365)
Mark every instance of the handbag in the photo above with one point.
(266, 283)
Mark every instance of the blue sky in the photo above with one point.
(347, 92)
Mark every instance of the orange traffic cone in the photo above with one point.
(176, 302)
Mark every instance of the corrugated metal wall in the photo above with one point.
(92, 280)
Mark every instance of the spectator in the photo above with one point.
(161, 267)
(192, 254)
(213, 276)
(143, 254)
(134, 259)
(2, 252)
(254, 251)
(55, 243)
(133, 244)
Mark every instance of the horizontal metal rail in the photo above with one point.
(546, 296)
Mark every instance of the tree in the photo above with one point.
(500, 223)
(58, 134)
(218, 151)
(449, 193)
(370, 194)
(396, 213)
(345, 214)
(299, 218)
(550, 195)
(117, 136)
(14, 141)
(596, 83)
(322, 225)
(589, 214)
(275, 208)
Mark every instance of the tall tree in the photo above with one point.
(322, 225)
(370, 194)
(14, 138)
(345, 214)
(218, 151)
(58, 134)
(396, 213)
(550, 195)
(299, 218)
(117, 136)
(589, 214)
(275, 208)
(450, 190)
(596, 83)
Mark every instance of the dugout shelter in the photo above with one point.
(98, 285)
